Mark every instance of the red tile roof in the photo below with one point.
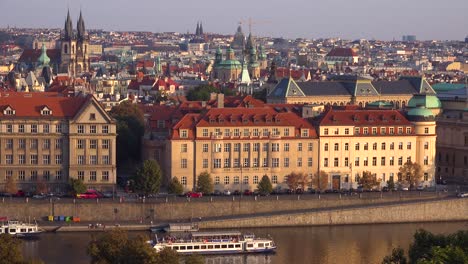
(342, 52)
(29, 105)
(355, 116)
(31, 55)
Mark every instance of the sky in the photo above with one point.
(369, 19)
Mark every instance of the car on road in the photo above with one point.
(227, 192)
(421, 188)
(404, 188)
(89, 194)
(194, 195)
(462, 194)
(248, 192)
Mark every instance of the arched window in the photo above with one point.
(65, 48)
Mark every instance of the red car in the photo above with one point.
(90, 194)
(194, 194)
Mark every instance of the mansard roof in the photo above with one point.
(355, 116)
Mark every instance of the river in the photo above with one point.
(298, 245)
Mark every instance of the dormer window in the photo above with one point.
(45, 111)
(183, 133)
(9, 111)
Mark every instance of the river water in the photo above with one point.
(365, 244)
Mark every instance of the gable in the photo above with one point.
(92, 112)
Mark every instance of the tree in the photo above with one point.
(10, 185)
(130, 130)
(397, 257)
(115, 247)
(264, 186)
(205, 183)
(168, 256)
(194, 259)
(411, 173)
(175, 186)
(41, 186)
(76, 186)
(320, 180)
(391, 183)
(147, 178)
(368, 181)
(293, 181)
(203, 92)
(10, 250)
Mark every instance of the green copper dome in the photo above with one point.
(420, 112)
(426, 100)
(43, 59)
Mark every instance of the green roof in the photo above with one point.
(439, 87)
(428, 101)
(420, 111)
(44, 59)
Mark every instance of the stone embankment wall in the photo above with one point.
(423, 211)
(108, 210)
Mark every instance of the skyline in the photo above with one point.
(362, 19)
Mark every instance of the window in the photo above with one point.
(226, 179)
(286, 162)
(205, 132)
(400, 161)
(217, 180)
(286, 147)
(236, 132)
(382, 161)
(183, 148)
(408, 145)
(356, 162)
(356, 147)
(426, 130)
(276, 131)
(22, 159)
(366, 162)
(33, 128)
(21, 175)
(58, 175)
(58, 143)
(408, 159)
(392, 146)
(45, 128)
(236, 180)
(46, 175)
(105, 176)
(246, 132)
(236, 163)
(105, 129)
(246, 162)
(81, 144)
(33, 176)
(184, 133)
(92, 129)
(325, 162)
(426, 160)
(325, 147)
(335, 162)
(299, 162)
(46, 144)
(391, 130)
(58, 159)
(93, 144)
(92, 176)
(304, 132)
(325, 131)
(408, 130)
(81, 129)
(9, 159)
(183, 163)
(255, 162)
(216, 163)
(346, 131)
(205, 163)
(426, 176)
(33, 143)
(392, 161)
(299, 146)
(366, 131)
(275, 162)
(93, 159)
(374, 161)
(21, 128)
(374, 131)
(9, 128)
(400, 145)
(383, 146)
(81, 175)
(33, 159)
(274, 179)
(366, 146)
(274, 147)
(400, 130)
(255, 179)
(58, 128)
(356, 131)
(310, 146)
(374, 146)
(246, 180)
(426, 145)
(183, 180)
(236, 147)
(246, 147)
(22, 143)
(265, 162)
(9, 143)
(336, 147)
(383, 131)
(265, 147)
(346, 162)
(227, 147)
(81, 159)
(346, 146)
(105, 143)
(286, 132)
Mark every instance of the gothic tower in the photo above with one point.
(82, 59)
(68, 47)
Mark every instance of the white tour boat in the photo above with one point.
(228, 242)
(20, 229)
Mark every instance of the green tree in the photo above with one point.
(76, 186)
(194, 259)
(10, 185)
(116, 247)
(264, 186)
(368, 181)
(205, 183)
(10, 250)
(130, 130)
(147, 178)
(397, 257)
(168, 256)
(203, 92)
(391, 183)
(411, 173)
(175, 186)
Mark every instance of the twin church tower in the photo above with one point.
(74, 47)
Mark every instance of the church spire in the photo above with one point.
(68, 33)
(201, 28)
(197, 31)
(81, 28)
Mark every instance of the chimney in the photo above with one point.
(213, 96)
(220, 100)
